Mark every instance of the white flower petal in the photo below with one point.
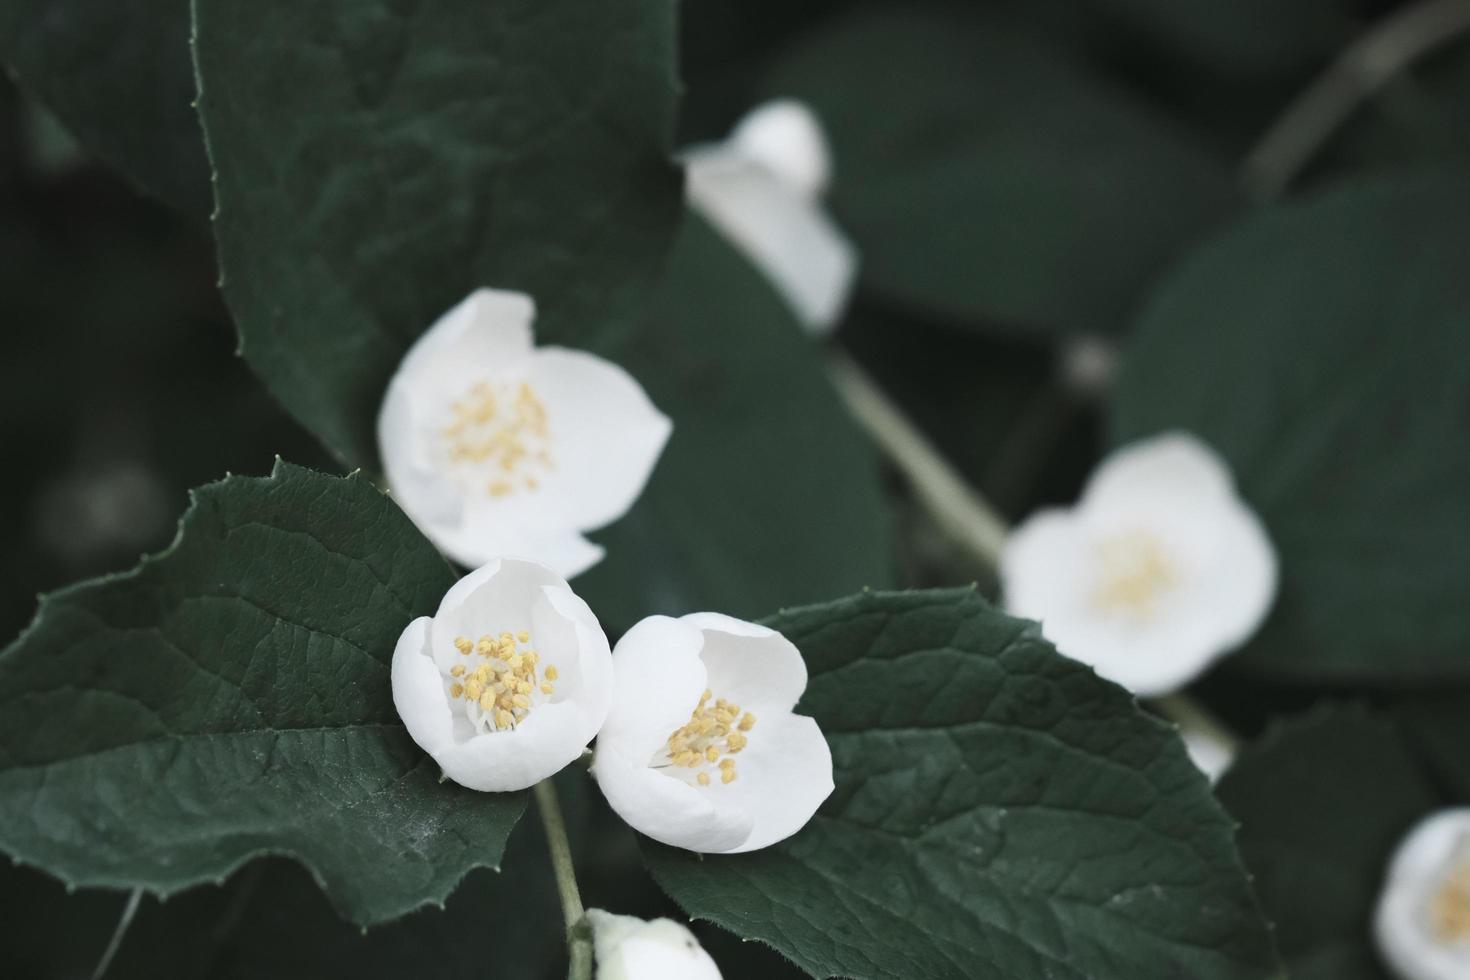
(785, 774)
(549, 740)
(1040, 570)
(1244, 576)
(608, 435)
(665, 808)
(658, 677)
(1168, 467)
(1435, 847)
(783, 232)
(748, 664)
(783, 135)
(418, 691)
(628, 948)
(485, 534)
(423, 493)
(490, 329)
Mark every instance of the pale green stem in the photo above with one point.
(115, 943)
(579, 938)
(966, 516)
(1365, 66)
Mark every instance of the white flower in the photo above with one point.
(762, 189)
(1423, 920)
(1209, 754)
(628, 948)
(494, 447)
(701, 749)
(508, 681)
(1158, 571)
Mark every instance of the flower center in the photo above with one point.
(499, 437)
(499, 690)
(1449, 908)
(706, 745)
(1135, 572)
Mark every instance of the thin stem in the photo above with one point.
(115, 943)
(1365, 66)
(959, 511)
(579, 940)
(967, 516)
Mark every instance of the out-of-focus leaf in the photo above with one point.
(118, 74)
(988, 180)
(1324, 348)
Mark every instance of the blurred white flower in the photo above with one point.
(1423, 920)
(630, 948)
(508, 681)
(495, 447)
(1209, 755)
(762, 189)
(1157, 572)
(701, 749)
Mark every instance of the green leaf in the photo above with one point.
(375, 163)
(1240, 39)
(230, 698)
(1323, 802)
(999, 812)
(1324, 349)
(1437, 724)
(984, 179)
(118, 75)
(767, 493)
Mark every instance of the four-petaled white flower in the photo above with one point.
(629, 948)
(701, 749)
(1157, 572)
(1423, 919)
(762, 188)
(494, 447)
(506, 683)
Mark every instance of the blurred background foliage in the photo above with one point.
(1017, 173)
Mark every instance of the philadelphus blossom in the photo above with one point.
(701, 749)
(508, 681)
(762, 189)
(495, 447)
(1157, 572)
(629, 948)
(1423, 920)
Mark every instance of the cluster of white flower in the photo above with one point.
(698, 745)
(505, 454)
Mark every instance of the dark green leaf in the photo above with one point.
(1324, 349)
(1438, 726)
(1322, 803)
(999, 812)
(118, 75)
(230, 698)
(766, 494)
(1238, 39)
(986, 180)
(376, 162)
